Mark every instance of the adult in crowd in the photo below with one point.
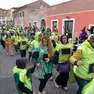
(83, 61)
(64, 50)
(44, 64)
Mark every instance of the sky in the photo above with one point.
(7, 4)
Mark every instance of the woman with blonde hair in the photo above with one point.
(44, 63)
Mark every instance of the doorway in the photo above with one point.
(43, 23)
(68, 25)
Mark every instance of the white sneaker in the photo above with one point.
(51, 78)
(56, 85)
(34, 92)
(12, 55)
(43, 92)
(39, 92)
(65, 88)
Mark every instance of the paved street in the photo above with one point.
(6, 78)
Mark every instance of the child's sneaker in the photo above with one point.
(56, 85)
(51, 78)
(65, 88)
(39, 92)
(12, 55)
(34, 92)
(43, 92)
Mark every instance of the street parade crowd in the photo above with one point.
(74, 58)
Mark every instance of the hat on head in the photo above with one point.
(84, 29)
(21, 63)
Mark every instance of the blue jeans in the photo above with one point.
(81, 83)
(23, 53)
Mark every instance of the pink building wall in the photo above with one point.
(30, 9)
(81, 19)
(26, 17)
(20, 20)
(17, 21)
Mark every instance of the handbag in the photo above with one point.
(63, 67)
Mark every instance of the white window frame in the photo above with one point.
(90, 25)
(63, 20)
(52, 23)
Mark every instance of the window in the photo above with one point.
(3, 22)
(19, 14)
(22, 13)
(54, 25)
(68, 26)
(43, 23)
